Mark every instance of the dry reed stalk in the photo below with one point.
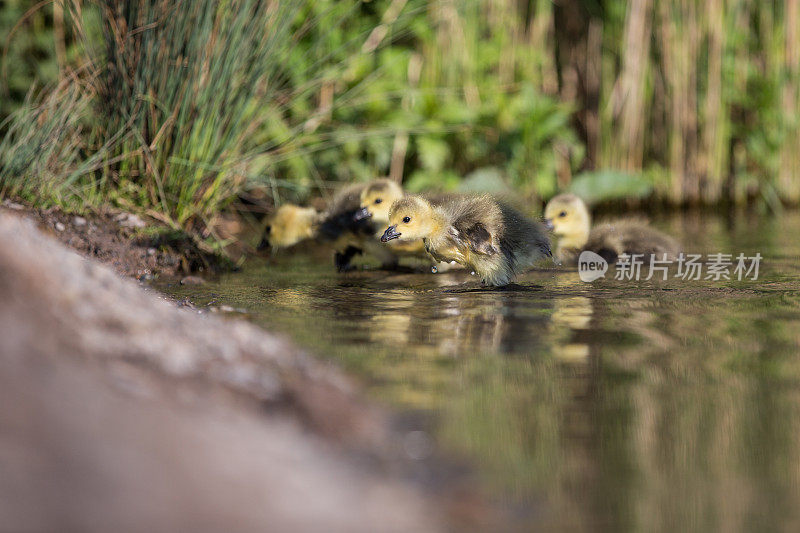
(593, 85)
(789, 172)
(540, 31)
(738, 190)
(628, 98)
(400, 145)
(713, 146)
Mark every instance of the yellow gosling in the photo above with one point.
(568, 217)
(377, 198)
(491, 238)
(289, 225)
(376, 201)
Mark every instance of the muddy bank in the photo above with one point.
(120, 411)
(119, 240)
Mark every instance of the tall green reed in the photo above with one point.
(190, 80)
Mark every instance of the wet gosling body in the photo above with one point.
(568, 217)
(479, 232)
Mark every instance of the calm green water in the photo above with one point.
(616, 406)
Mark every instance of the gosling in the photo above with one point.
(489, 237)
(289, 225)
(337, 227)
(377, 199)
(568, 218)
(349, 233)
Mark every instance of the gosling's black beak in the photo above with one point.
(390, 233)
(361, 214)
(548, 224)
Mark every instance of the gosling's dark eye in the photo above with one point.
(562, 214)
(378, 200)
(268, 230)
(406, 220)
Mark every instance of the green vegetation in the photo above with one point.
(176, 109)
(28, 45)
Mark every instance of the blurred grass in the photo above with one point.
(183, 107)
(42, 145)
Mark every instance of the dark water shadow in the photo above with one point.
(511, 287)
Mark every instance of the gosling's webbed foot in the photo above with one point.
(342, 259)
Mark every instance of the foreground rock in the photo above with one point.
(121, 412)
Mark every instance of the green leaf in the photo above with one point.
(433, 153)
(610, 184)
(424, 180)
(485, 180)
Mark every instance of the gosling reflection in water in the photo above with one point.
(449, 323)
(392, 322)
(571, 315)
(461, 324)
(296, 300)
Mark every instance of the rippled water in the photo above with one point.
(658, 406)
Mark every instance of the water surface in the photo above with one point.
(619, 406)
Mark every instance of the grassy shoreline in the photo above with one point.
(175, 111)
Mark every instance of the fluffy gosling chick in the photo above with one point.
(350, 233)
(568, 217)
(289, 225)
(478, 232)
(377, 199)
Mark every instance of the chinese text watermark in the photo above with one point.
(641, 267)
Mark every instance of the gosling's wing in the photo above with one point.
(475, 223)
(476, 237)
